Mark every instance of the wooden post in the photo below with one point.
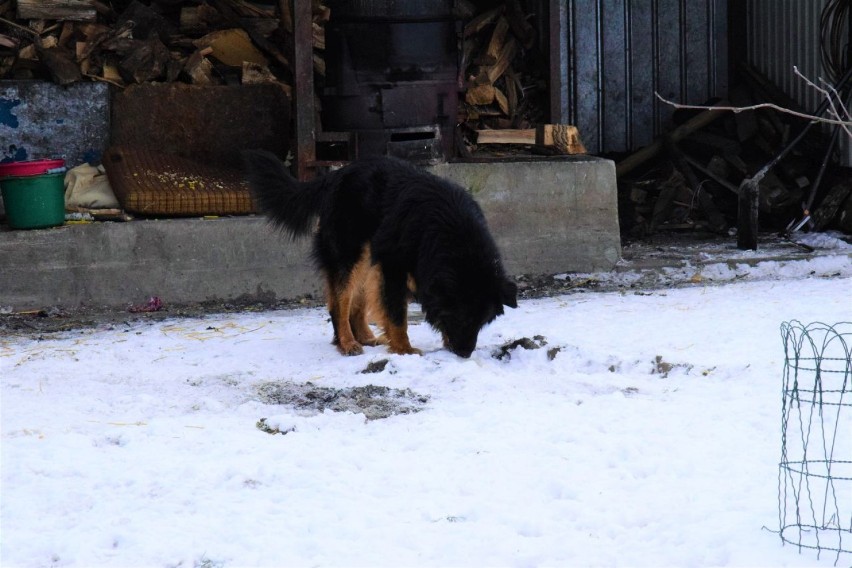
(747, 214)
(303, 76)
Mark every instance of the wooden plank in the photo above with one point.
(646, 153)
(506, 136)
(75, 10)
(563, 137)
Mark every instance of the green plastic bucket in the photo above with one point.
(34, 202)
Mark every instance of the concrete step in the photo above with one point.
(547, 216)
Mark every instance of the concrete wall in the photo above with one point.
(547, 217)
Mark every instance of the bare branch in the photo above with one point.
(736, 110)
(839, 115)
(831, 97)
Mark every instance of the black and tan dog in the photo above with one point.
(387, 231)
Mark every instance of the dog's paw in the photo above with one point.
(381, 340)
(404, 350)
(350, 349)
(372, 341)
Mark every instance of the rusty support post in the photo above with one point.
(303, 76)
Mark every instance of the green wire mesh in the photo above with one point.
(815, 472)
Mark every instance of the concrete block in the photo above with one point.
(547, 216)
(182, 261)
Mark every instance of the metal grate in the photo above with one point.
(148, 182)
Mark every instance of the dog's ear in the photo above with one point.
(509, 294)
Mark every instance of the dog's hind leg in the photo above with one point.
(349, 304)
(339, 308)
(362, 309)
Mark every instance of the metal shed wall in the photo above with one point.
(783, 34)
(609, 57)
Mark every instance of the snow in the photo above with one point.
(646, 432)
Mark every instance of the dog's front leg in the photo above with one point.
(394, 311)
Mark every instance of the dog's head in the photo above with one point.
(458, 303)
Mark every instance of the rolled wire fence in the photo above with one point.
(815, 473)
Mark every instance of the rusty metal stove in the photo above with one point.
(392, 77)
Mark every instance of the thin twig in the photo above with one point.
(840, 116)
(737, 110)
(34, 33)
(831, 100)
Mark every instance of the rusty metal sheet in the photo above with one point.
(208, 124)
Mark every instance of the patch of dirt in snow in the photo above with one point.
(374, 402)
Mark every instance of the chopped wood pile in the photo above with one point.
(688, 179)
(125, 42)
(504, 75)
(505, 83)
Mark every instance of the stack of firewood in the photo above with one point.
(126, 42)
(505, 86)
(494, 42)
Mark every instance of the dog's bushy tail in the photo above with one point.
(290, 204)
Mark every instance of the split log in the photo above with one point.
(498, 40)
(61, 65)
(563, 137)
(9, 41)
(286, 15)
(502, 101)
(679, 159)
(482, 21)
(145, 62)
(504, 59)
(321, 12)
(261, 42)
(232, 47)
(827, 210)
(519, 24)
(198, 68)
(480, 95)
(75, 10)
(319, 36)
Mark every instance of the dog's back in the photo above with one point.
(385, 217)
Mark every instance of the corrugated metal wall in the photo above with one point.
(783, 34)
(613, 55)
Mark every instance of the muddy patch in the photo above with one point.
(372, 401)
(504, 352)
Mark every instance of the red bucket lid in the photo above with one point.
(30, 167)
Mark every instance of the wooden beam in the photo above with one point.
(564, 137)
(646, 153)
(303, 77)
(75, 10)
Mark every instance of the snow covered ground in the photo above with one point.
(646, 432)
